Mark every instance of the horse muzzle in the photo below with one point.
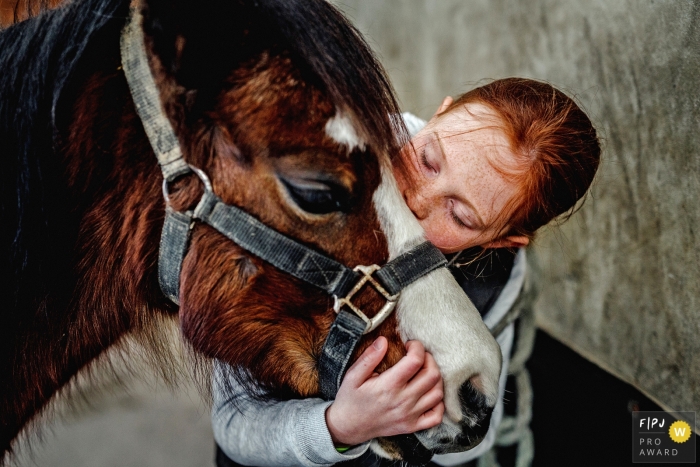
(468, 432)
(417, 449)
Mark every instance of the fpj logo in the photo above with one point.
(663, 437)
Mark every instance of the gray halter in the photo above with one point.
(252, 235)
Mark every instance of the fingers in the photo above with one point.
(409, 365)
(431, 418)
(406, 398)
(364, 367)
(427, 377)
(427, 388)
(430, 398)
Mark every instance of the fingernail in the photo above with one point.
(378, 343)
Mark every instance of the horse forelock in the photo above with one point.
(334, 50)
(324, 46)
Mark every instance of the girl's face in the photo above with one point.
(449, 181)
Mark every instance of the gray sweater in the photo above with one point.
(294, 432)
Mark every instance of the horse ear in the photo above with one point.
(160, 25)
(199, 42)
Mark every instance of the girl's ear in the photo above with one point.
(512, 241)
(446, 102)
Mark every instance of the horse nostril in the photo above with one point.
(471, 428)
(476, 405)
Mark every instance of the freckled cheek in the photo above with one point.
(439, 234)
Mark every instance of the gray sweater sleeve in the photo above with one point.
(273, 433)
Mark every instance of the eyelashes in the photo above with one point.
(318, 196)
(451, 208)
(457, 220)
(425, 163)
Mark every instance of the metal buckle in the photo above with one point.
(386, 310)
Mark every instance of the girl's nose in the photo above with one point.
(418, 205)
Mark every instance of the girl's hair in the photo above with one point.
(556, 148)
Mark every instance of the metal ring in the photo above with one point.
(202, 177)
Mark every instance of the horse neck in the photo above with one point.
(79, 217)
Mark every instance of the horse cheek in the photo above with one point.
(215, 273)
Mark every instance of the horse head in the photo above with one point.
(283, 107)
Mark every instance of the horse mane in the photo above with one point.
(14, 11)
(37, 59)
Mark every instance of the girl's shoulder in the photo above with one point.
(492, 279)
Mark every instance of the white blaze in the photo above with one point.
(436, 311)
(341, 130)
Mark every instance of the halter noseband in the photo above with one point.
(252, 235)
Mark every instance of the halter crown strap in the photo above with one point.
(147, 101)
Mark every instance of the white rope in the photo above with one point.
(515, 430)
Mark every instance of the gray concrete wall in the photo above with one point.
(619, 282)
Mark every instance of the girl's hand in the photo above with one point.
(404, 399)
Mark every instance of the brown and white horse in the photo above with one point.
(283, 105)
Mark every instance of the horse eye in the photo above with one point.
(318, 197)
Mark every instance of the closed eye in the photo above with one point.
(424, 161)
(318, 196)
(457, 219)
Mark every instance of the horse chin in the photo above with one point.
(405, 448)
(448, 437)
(465, 433)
